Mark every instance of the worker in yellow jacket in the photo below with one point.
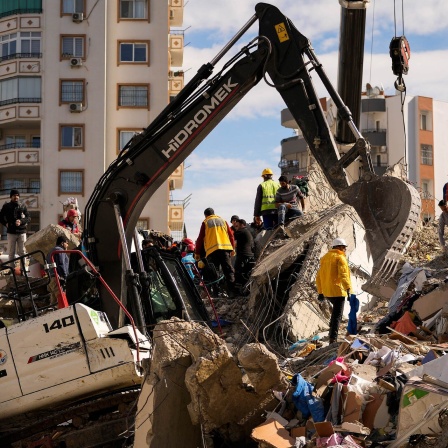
(333, 282)
(216, 240)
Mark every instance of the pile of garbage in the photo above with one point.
(385, 385)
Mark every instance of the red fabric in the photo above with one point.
(405, 324)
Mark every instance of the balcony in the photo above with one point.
(376, 137)
(176, 8)
(175, 82)
(176, 48)
(20, 157)
(373, 105)
(20, 56)
(176, 180)
(20, 109)
(287, 120)
(293, 145)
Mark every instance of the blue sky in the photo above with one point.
(224, 170)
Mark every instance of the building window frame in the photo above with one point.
(426, 154)
(75, 54)
(63, 135)
(76, 99)
(120, 131)
(77, 185)
(142, 223)
(132, 43)
(77, 4)
(13, 45)
(120, 104)
(120, 10)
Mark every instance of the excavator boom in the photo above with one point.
(388, 207)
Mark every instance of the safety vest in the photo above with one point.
(269, 188)
(216, 236)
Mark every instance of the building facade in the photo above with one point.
(413, 132)
(78, 78)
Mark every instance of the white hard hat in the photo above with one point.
(338, 242)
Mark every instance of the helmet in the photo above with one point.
(267, 171)
(72, 212)
(191, 247)
(187, 241)
(338, 242)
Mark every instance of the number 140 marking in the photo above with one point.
(60, 323)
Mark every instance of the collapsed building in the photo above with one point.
(271, 380)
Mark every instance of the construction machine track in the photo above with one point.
(105, 421)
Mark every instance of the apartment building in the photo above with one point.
(412, 131)
(78, 78)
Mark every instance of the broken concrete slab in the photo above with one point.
(45, 240)
(432, 302)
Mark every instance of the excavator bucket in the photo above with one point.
(390, 210)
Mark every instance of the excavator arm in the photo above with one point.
(283, 53)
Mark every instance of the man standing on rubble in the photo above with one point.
(443, 221)
(333, 282)
(264, 207)
(217, 241)
(286, 201)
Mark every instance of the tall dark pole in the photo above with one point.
(351, 58)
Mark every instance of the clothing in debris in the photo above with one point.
(443, 221)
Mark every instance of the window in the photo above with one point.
(133, 95)
(423, 125)
(143, 224)
(425, 120)
(30, 42)
(426, 192)
(124, 135)
(15, 141)
(72, 47)
(21, 45)
(133, 52)
(72, 6)
(72, 91)
(20, 90)
(71, 136)
(9, 46)
(426, 155)
(35, 141)
(71, 182)
(133, 9)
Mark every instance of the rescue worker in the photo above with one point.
(188, 259)
(286, 201)
(264, 207)
(333, 282)
(443, 221)
(216, 239)
(14, 215)
(70, 223)
(244, 245)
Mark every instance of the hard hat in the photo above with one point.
(201, 265)
(72, 212)
(266, 171)
(191, 247)
(187, 241)
(338, 242)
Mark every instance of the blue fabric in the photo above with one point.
(188, 261)
(304, 400)
(352, 326)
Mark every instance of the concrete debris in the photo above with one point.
(384, 385)
(45, 239)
